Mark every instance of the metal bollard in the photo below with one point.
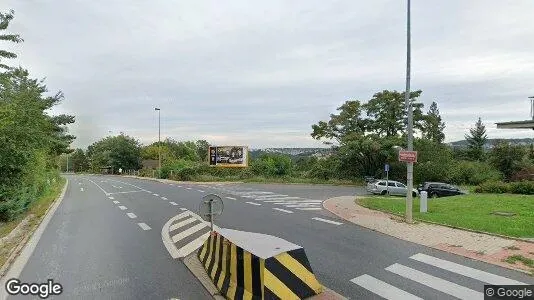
(423, 202)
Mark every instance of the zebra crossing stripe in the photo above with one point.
(465, 271)
(310, 208)
(188, 232)
(383, 289)
(181, 224)
(436, 283)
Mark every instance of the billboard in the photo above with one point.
(228, 156)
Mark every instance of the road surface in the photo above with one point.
(106, 240)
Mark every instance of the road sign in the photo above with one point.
(386, 168)
(210, 206)
(408, 156)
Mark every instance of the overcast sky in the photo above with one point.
(260, 73)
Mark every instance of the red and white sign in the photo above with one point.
(408, 156)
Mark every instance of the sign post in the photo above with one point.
(211, 206)
(386, 169)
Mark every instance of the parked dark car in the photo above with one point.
(439, 189)
(369, 179)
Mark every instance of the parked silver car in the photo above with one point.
(383, 187)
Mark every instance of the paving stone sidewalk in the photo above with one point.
(479, 246)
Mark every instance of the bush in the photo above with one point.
(522, 187)
(472, 173)
(493, 187)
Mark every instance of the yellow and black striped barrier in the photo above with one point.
(246, 265)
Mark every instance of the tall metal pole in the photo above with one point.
(408, 104)
(159, 141)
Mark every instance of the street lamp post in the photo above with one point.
(159, 141)
(408, 105)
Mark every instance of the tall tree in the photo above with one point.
(202, 149)
(432, 125)
(345, 125)
(507, 158)
(79, 161)
(476, 139)
(388, 113)
(5, 19)
(119, 151)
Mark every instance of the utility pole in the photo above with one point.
(159, 141)
(408, 105)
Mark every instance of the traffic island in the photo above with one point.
(247, 265)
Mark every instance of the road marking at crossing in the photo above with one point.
(327, 221)
(173, 203)
(201, 191)
(267, 197)
(188, 188)
(253, 203)
(436, 283)
(231, 198)
(309, 208)
(283, 210)
(156, 195)
(181, 224)
(111, 197)
(81, 189)
(149, 192)
(164, 198)
(131, 215)
(192, 246)
(183, 208)
(282, 198)
(116, 202)
(144, 226)
(383, 289)
(465, 271)
(188, 232)
(123, 207)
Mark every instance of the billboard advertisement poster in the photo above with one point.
(228, 156)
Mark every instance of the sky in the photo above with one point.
(260, 73)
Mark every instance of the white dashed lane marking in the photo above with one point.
(253, 203)
(156, 195)
(164, 198)
(173, 203)
(131, 215)
(110, 197)
(283, 210)
(81, 189)
(231, 198)
(123, 207)
(144, 226)
(183, 208)
(116, 202)
(327, 221)
(201, 191)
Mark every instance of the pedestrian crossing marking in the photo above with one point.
(383, 289)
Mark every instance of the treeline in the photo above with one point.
(31, 139)
(363, 137)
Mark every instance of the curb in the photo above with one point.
(433, 247)
(195, 267)
(14, 265)
(450, 226)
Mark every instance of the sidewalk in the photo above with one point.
(484, 247)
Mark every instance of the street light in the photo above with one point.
(409, 199)
(159, 140)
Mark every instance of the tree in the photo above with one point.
(202, 149)
(79, 161)
(5, 19)
(432, 125)
(388, 113)
(120, 151)
(507, 158)
(344, 126)
(476, 140)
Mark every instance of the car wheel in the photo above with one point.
(414, 194)
(383, 193)
(433, 195)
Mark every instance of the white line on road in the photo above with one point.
(143, 226)
(183, 208)
(267, 197)
(81, 189)
(253, 203)
(282, 198)
(179, 186)
(116, 202)
(231, 198)
(181, 224)
(148, 192)
(123, 192)
(188, 232)
(193, 245)
(111, 197)
(188, 188)
(164, 198)
(465, 271)
(156, 195)
(173, 203)
(383, 289)
(97, 186)
(286, 211)
(304, 205)
(201, 191)
(327, 221)
(131, 215)
(123, 207)
(309, 208)
(436, 283)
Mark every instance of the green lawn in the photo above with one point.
(473, 211)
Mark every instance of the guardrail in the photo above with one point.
(247, 265)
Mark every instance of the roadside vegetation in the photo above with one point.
(31, 138)
(506, 214)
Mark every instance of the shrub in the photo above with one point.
(494, 187)
(474, 173)
(522, 187)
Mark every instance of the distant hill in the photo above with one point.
(291, 151)
(491, 142)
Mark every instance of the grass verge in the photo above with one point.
(520, 258)
(473, 211)
(282, 180)
(31, 219)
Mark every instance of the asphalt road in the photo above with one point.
(96, 248)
